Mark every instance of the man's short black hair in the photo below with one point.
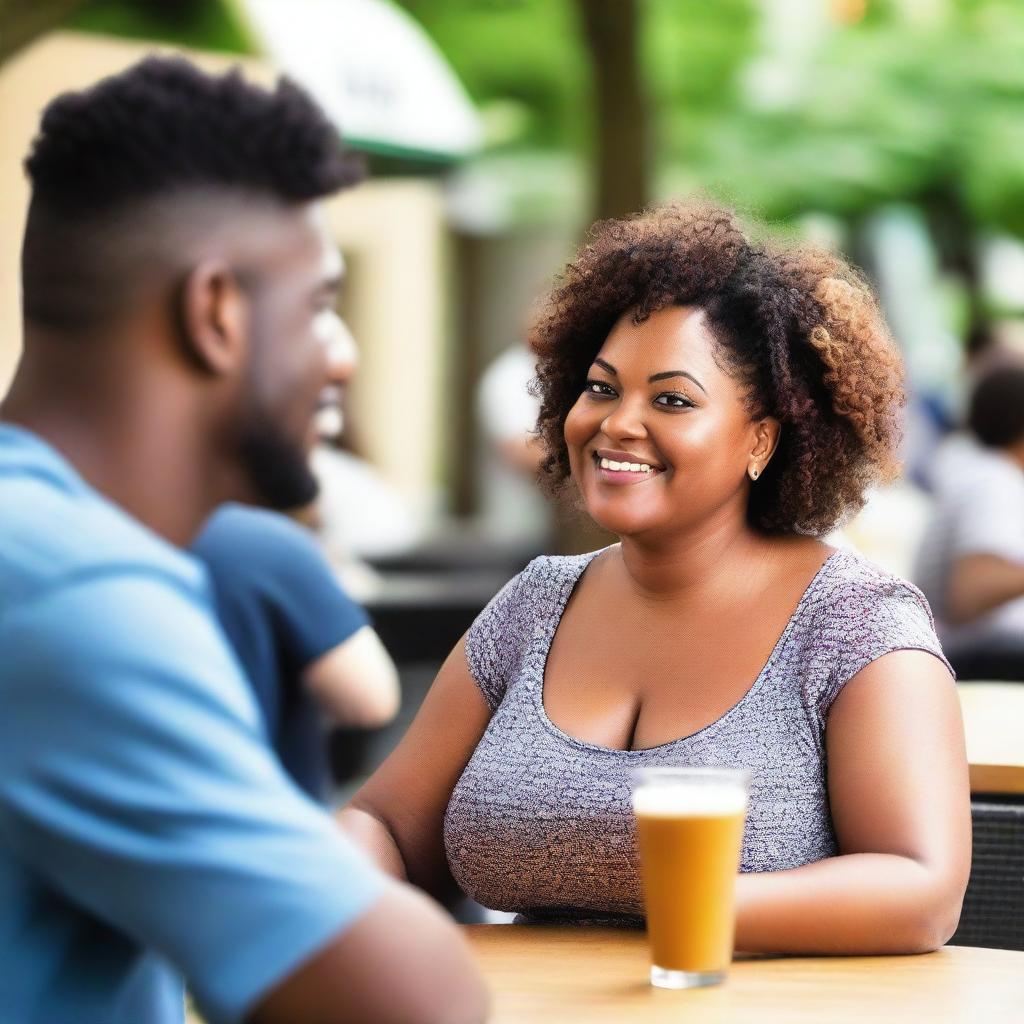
(164, 125)
(996, 413)
(119, 170)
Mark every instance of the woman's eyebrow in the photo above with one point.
(664, 375)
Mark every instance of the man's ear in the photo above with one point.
(214, 316)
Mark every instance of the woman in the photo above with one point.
(719, 407)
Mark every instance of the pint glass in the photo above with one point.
(690, 828)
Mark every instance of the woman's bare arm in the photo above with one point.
(899, 791)
(398, 815)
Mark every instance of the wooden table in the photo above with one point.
(994, 725)
(584, 975)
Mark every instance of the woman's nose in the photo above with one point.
(625, 420)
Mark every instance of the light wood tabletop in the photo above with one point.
(994, 726)
(584, 975)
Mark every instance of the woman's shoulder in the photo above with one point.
(552, 572)
(850, 585)
(856, 611)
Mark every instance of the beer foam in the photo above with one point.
(705, 800)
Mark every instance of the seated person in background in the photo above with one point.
(512, 504)
(971, 561)
(719, 406)
(307, 648)
(178, 286)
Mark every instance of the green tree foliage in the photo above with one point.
(203, 24)
(922, 102)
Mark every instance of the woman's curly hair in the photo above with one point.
(798, 327)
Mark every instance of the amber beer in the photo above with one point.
(690, 828)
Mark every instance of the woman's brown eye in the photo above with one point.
(674, 401)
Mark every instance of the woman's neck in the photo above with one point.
(690, 566)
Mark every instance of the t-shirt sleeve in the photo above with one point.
(263, 558)
(988, 516)
(134, 780)
(499, 636)
(861, 622)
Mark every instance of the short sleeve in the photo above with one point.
(989, 514)
(134, 780)
(859, 622)
(262, 558)
(498, 638)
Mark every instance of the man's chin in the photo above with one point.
(278, 472)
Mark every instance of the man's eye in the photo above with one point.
(598, 387)
(673, 401)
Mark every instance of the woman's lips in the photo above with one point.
(623, 474)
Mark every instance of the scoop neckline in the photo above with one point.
(544, 652)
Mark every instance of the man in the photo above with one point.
(307, 648)
(971, 561)
(178, 307)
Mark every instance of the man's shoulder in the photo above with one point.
(964, 468)
(248, 539)
(56, 532)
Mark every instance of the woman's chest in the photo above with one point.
(631, 681)
(539, 821)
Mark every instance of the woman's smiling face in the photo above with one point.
(661, 438)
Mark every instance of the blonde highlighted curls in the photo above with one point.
(798, 327)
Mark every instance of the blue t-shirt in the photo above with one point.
(147, 831)
(282, 608)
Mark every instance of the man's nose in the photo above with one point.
(342, 354)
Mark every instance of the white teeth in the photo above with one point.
(625, 467)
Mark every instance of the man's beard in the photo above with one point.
(277, 467)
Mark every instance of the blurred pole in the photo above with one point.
(955, 232)
(621, 153)
(467, 365)
(620, 117)
(22, 21)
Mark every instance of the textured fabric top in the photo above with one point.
(540, 823)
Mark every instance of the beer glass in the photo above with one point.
(690, 829)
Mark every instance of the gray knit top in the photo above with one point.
(540, 823)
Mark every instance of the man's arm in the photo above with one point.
(136, 783)
(978, 583)
(356, 682)
(402, 962)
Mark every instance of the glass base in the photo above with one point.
(662, 977)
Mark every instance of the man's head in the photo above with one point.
(996, 410)
(166, 197)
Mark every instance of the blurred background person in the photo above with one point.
(971, 561)
(308, 650)
(513, 506)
